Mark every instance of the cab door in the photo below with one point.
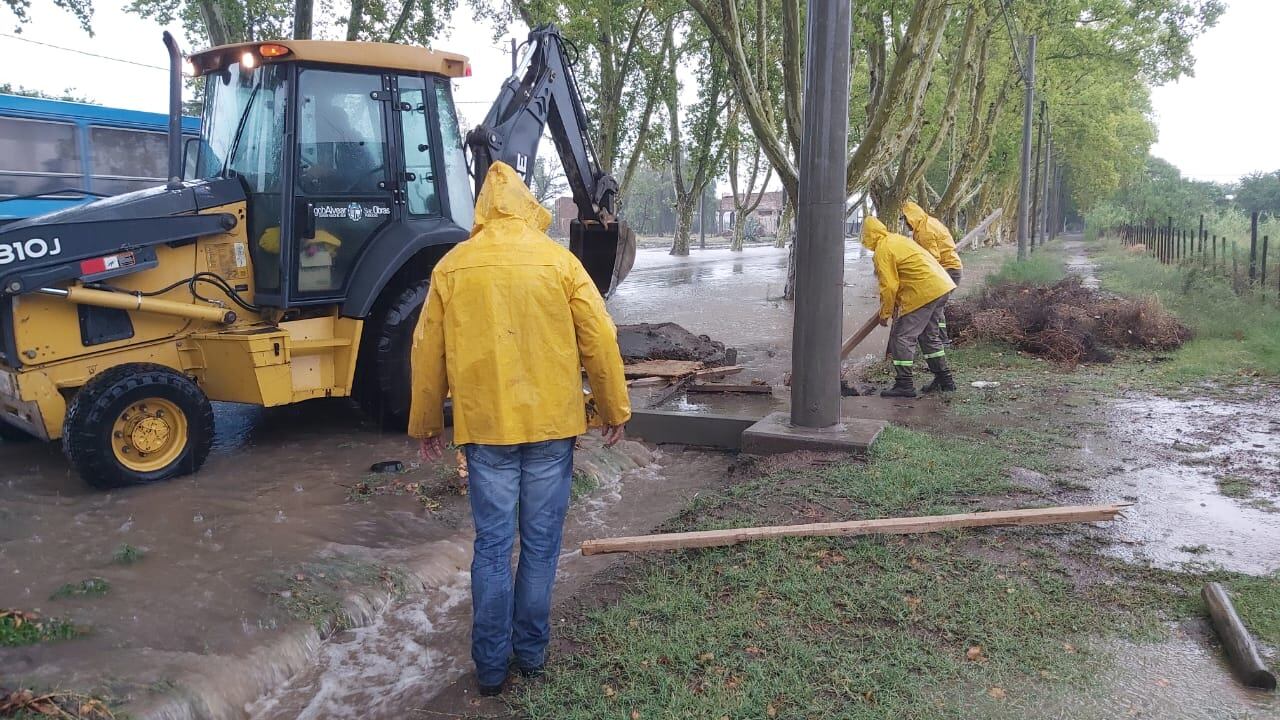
(345, 191)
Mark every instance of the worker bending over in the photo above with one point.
(932, 235)
(511, 319)
(916, 285)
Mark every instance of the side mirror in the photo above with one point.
(190, 156)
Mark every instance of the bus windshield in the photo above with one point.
(244, 126)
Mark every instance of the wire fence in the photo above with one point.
(1242, 261)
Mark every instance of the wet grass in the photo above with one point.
(91, 587)
(1237, 337)
(18, 627)
(33, 704)
(317, 592)
(1044, 267)
(836, 627)
(127, 554)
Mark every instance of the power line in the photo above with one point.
(1013, 43)
(83, 52)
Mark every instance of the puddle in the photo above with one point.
(1184, 677)
(1168, 457)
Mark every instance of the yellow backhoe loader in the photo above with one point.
(328, 180)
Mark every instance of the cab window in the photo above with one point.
(415, 123)
(341, 140)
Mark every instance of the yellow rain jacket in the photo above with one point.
(511, 319)
(909, 277)
(932, 235)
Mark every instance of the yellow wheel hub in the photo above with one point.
(149, 435)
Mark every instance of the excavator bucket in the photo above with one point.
(607, 251)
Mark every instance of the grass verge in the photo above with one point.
(849, 627)
(1237, 336)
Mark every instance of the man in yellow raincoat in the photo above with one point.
(913, 289)
(510, 320)
(932, 235)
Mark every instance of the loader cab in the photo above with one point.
(350, 156)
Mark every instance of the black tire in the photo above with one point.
(383, 378)
(89, 433)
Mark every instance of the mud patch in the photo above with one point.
(669, 341)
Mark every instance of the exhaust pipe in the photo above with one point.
(175, 111)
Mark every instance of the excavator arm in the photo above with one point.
(541, 92)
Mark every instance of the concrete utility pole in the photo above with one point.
(1036, 157)
(1024, 190)
(1048, 168)
(815, 339)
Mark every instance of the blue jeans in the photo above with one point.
(532, 480)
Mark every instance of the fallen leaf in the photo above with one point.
(1068, 647)
(754, 651)
(300, 577)
(635, 715)
(733, 682)
(706, 657)
(912, 601)
(997, 692)
(974, 654)
(770, 710)
(608, 690)
(1162, 682)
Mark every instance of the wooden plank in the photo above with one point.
(647, 381)
(662, 368)
(669, 391)
(892, 526)
(728, 388)
(859, 336)
(1236, 640)
(719, 371)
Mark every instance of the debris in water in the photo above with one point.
(1066, 323)
(387, 466)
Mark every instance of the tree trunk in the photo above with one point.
(684, 221)
(739, 233)
(302, 19)
(215, 23)
(783, 233)
(354, 22)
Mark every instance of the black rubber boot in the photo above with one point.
(943, 380)
(903, 386)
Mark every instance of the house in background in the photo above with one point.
(768, 212)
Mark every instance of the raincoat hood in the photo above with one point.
(504, 196)
(916, 216)
(873, 231)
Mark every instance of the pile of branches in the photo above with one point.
(1066, 323)
(72, 706)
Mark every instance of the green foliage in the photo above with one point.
(81, 9)
(127, 554)
(316, 592)
(68, 94)
(1040, 268)
(1235, 335)
(1260, 193)
(92, 587)
(24, 628)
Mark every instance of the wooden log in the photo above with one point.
(728, 388)
(975, 234)
(1241, 651)
(891, 526)
(859, 336)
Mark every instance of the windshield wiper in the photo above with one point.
(244, 118)
(51, 193)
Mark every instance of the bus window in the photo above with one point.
(126, 160)
(37, 156)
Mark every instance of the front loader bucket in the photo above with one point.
(606, 251)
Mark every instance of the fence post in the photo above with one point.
(1262, 282)
(1213, 253)
(1200, 233)
(1253, 247)
(1235, 265)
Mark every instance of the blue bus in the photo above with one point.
(54, 154)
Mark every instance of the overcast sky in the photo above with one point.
(1216, 126)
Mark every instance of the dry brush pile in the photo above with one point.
(1066, 323)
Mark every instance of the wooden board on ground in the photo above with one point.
(728, 388)
(662, 368)
(648, 381)
(718, 371)
(893, 526)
